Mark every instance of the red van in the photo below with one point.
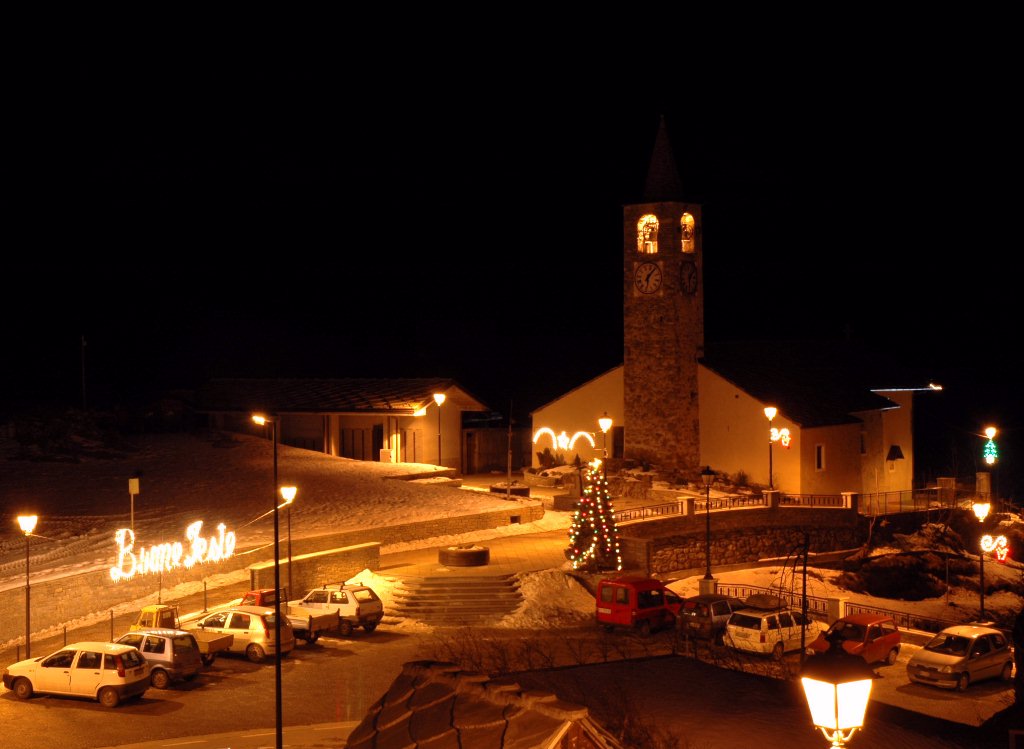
(639, 603)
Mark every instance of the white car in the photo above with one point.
(253, 630)
(357, 605)
(770, 631)
(104, 671)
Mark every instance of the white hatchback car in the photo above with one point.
(104, 671)
(773, 631)
(253, 630)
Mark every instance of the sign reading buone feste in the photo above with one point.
(168, 556)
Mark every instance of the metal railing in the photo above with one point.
(817, 607)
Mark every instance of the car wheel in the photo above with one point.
(963, 682)
(255, 653)
(1007, 672)
(209, 659)
(108, 697)
(719, 638)
(160, 679)
(190, 677)
(310, 639)
(370, 626)
(22, 689)
(893, 655)
(608, 628)
(778, 651)
(345, 627)
(644, 628)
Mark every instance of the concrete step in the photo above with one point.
(456, 601)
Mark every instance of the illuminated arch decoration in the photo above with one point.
(165, 557)
(563, 441)
(647, 234)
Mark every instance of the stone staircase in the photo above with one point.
(456, 601)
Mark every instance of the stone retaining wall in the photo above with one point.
(737, 538)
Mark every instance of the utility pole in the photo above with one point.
(83, 372)
(508, 480)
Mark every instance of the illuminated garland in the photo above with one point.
(594, 534)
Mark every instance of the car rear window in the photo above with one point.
(132, 659)
(364, 595)
(746, 621)
(184, 643)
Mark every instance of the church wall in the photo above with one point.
(842, 460)
(578, 411)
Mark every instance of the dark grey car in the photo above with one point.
(959, 656)
(704, 616)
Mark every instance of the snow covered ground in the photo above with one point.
(188, 477)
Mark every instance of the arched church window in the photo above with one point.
(647, 235)
(686, 231)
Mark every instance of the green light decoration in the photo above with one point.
(990, 453)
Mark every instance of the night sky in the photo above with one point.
(247, 219)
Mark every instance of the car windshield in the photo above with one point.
(948, 644)
(847, 631)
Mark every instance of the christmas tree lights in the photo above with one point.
(594, 534)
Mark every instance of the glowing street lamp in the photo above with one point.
(981, 511)
(263, 421)
(439, 399)
(28, 524)
(770, 412)
(288, 495)
(837, 687)
(605, 422)
(707, 476)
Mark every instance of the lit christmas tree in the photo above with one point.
(594, 534)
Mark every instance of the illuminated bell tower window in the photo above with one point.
(686, 231)
(647, 235)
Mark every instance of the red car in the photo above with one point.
(640, 603)
(874, 637)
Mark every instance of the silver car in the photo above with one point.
(958, 656)
(253, 628)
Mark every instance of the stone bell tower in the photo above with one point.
(663, 311)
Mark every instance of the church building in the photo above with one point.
(801, 417)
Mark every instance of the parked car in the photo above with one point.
(959, 656)
(253, 630)
(108, 672)
(768, 626)
(357, 605)
(705, 616)
(643, 604)
(173, 654)
(874, 637)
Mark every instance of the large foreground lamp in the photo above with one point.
(707, 476)
(28, 524)
(288, 495)
(837, 687)
(981, 511)
(770, 412)
(263, 421)
(439, 399)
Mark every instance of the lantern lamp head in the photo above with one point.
(260, 419)
(28, 523)
(439, 398)
(288, 493)
(990, 432)
(605, 422)
(770, 412)
(981, 509)
(707, 476)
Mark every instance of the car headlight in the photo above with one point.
(946, 670)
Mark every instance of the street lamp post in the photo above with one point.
(288, 495)
(605, 423)
(439, 399)
(263, 420)
(981, 511)
(707, 476)
(837, 687)
(770, 412)
(28, 524)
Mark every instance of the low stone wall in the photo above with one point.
(737, 538)
(65, 599)
(316, 569)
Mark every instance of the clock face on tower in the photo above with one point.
(688, 277)
(647, 278)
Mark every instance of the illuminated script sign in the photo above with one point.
(997, 545)
(168, 556)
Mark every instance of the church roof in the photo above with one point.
(341, 395)
(814, 383)
(663, 184)
(432, 704)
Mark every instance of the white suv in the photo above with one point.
(774, 631)
(104, 671)
(357, 605)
